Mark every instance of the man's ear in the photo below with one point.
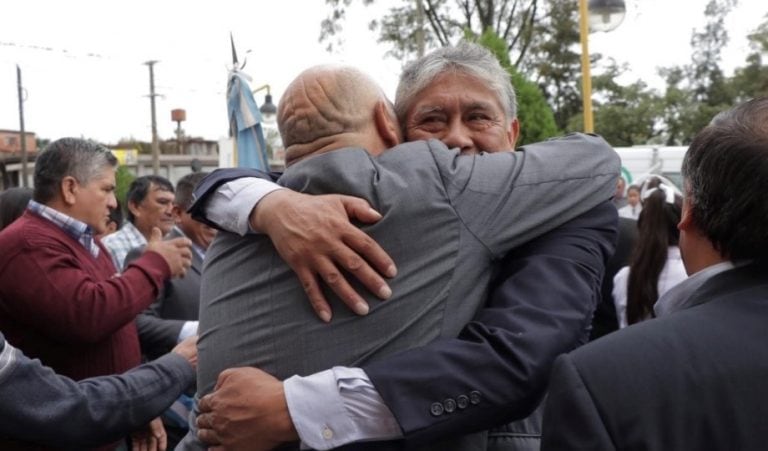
(514, 132)
(133, 207)
(69, 188)
(177, 211)
(386, 125)
(686, 218)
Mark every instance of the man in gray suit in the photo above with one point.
(445, 218)
(696, 377)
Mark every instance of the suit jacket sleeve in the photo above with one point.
(571, 418)
(41, 406)
(208, 186)
(501, 360)
(508, 198)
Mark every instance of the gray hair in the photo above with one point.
(69, 157)
(467, 58)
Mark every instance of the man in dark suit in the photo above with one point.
(173, 316)
(499, 363)
(697, 376)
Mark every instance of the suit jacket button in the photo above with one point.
(450, 405)
(462, 401)
(436, 409)
(474, 397)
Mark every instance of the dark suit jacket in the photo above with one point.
(160, 324)
(41, 406)
(696, 379)
(541, 307)
(605, 320)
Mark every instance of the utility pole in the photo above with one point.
(24, 170)
(152, 95)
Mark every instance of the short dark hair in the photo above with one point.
(13, 202)
(185, 187)
(68, 157)
(725, 170)
(139, 189)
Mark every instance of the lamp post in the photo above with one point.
(597, 15)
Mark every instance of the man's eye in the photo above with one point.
(478, 117)
(431, 119)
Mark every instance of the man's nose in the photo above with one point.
(458, 136)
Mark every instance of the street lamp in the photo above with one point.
(598, 15)
(268, 109)
(269, 125)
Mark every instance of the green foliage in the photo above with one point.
(699, 90)
(537, 122)
(625, 115)
(556, 61)
(752, 79)
(123, 179)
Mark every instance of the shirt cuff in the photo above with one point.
(338, 406)
(187, 330)
(231, 205)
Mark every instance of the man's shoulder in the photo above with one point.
(636, 345)
(29, 228)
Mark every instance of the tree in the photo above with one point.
(625, 115)
(555, 61)
(696, 92)
(444, 23)
(752, 80)
(537, 122)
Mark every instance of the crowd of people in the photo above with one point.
(410, 281)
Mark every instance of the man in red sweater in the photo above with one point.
(61, 298)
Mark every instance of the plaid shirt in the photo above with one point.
(78, 230)
(122, 241)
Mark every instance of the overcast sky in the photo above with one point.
(82, 61)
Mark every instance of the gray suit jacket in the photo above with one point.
(696, 379)
(160, 324)
(446, 219)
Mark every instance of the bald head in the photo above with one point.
(328, 107)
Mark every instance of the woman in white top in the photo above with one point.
(655, 265)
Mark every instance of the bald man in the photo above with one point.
(445, 220)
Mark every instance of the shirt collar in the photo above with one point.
(80, 231)
(680, 296)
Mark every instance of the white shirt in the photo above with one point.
(672, 274)
(628, 211)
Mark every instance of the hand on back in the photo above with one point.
(314, 235)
